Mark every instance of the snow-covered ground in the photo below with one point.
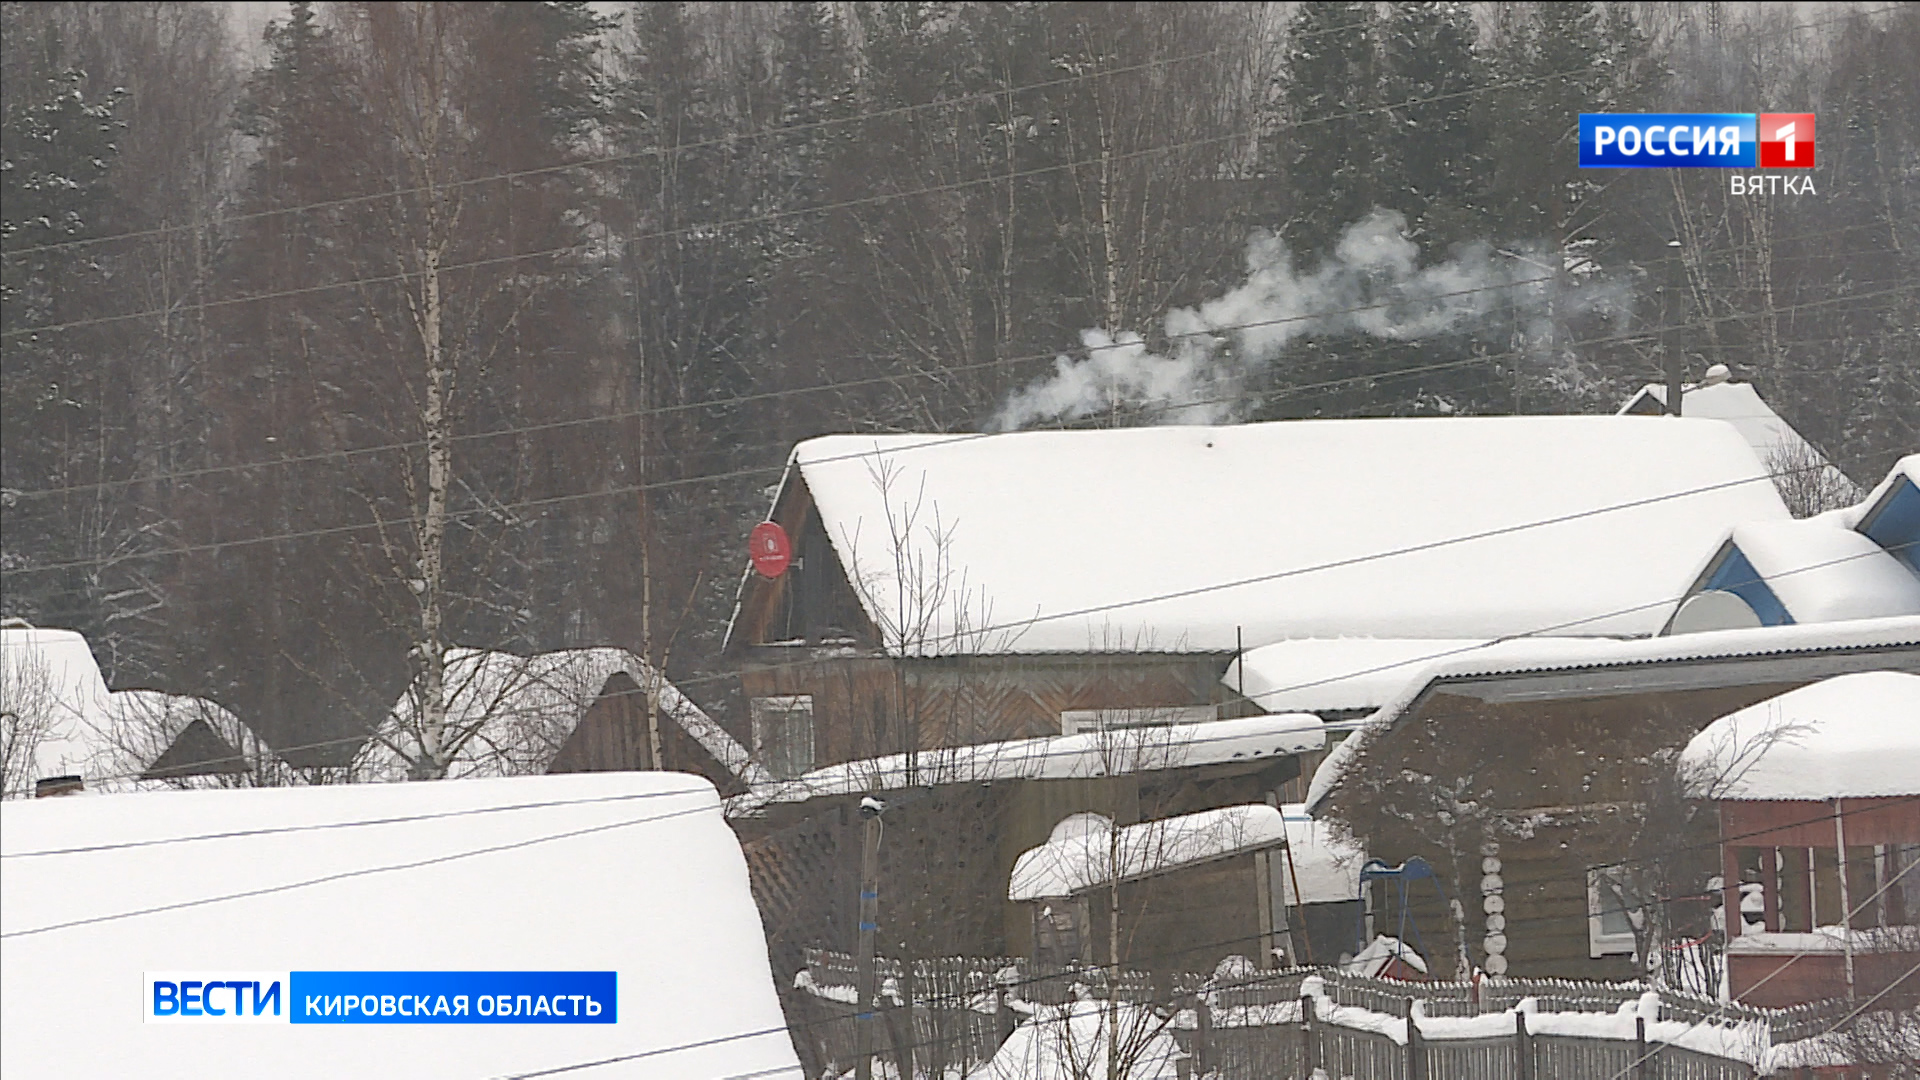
(628, 872)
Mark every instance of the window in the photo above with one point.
(1736, 575)
(783, 734)
(1894, 524)
(1077, 721)
(1613, 904)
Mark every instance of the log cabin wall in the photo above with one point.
(1564, 767)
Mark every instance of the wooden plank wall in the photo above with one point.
(865, 706)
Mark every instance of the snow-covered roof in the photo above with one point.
(143, 725)
(1774, 441)
(522, 709)
(69, 724)
(1085, 851)
(1335, 674)
(630, 872)
(1906, 470)
(1823, 572)
(1530, 656)
(1202, 538)
(1851, 736)
(56, 701)
(1062, 757)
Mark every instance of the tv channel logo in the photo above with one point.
(382, 997)
(1786, 141)
(1696, 140)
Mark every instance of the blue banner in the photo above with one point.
(1667, 140)
(453, 997)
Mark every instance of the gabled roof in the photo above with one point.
(1851, 736)
(629, 872)
(1822, 573)
(1201, 538)
(520, 710)
(51, 686)
(185, 740)
(72, 725)
(1774, 441)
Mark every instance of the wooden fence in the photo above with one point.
(1282, 1025)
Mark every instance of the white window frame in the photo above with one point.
(1601, 942)
(1081, 721)
(785, 707)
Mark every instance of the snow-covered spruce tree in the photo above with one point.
(1324, 138)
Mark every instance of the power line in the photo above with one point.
(554, 500)
(733, 138)
(361, 872)
(349, 824)
(1540, 632)
(846, 384)
(781, 215)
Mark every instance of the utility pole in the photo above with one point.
(870, 810)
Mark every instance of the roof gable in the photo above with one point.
(517, 712)
(1201, 538)
(1773, 440)
(198, 751)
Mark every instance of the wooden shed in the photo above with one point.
(1183, 893)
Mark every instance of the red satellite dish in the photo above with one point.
(771, 552)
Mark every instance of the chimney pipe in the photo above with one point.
(49, 787)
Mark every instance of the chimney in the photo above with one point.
(48, 787)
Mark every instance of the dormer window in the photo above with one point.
(1736, 575)
(1894, 523)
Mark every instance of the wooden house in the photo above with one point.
(956, 589)
(952, 591)
(1536, 787)
(64, 722)
(1818, 792)
(572, 710)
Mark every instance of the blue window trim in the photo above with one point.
(1736, 575)
(1895, 524)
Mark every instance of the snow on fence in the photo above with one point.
(1245, 1024)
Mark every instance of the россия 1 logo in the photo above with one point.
(1696, 140)
(382, 997)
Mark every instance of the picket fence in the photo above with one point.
(1278, 1025)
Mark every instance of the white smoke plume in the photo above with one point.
(1372, 285)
